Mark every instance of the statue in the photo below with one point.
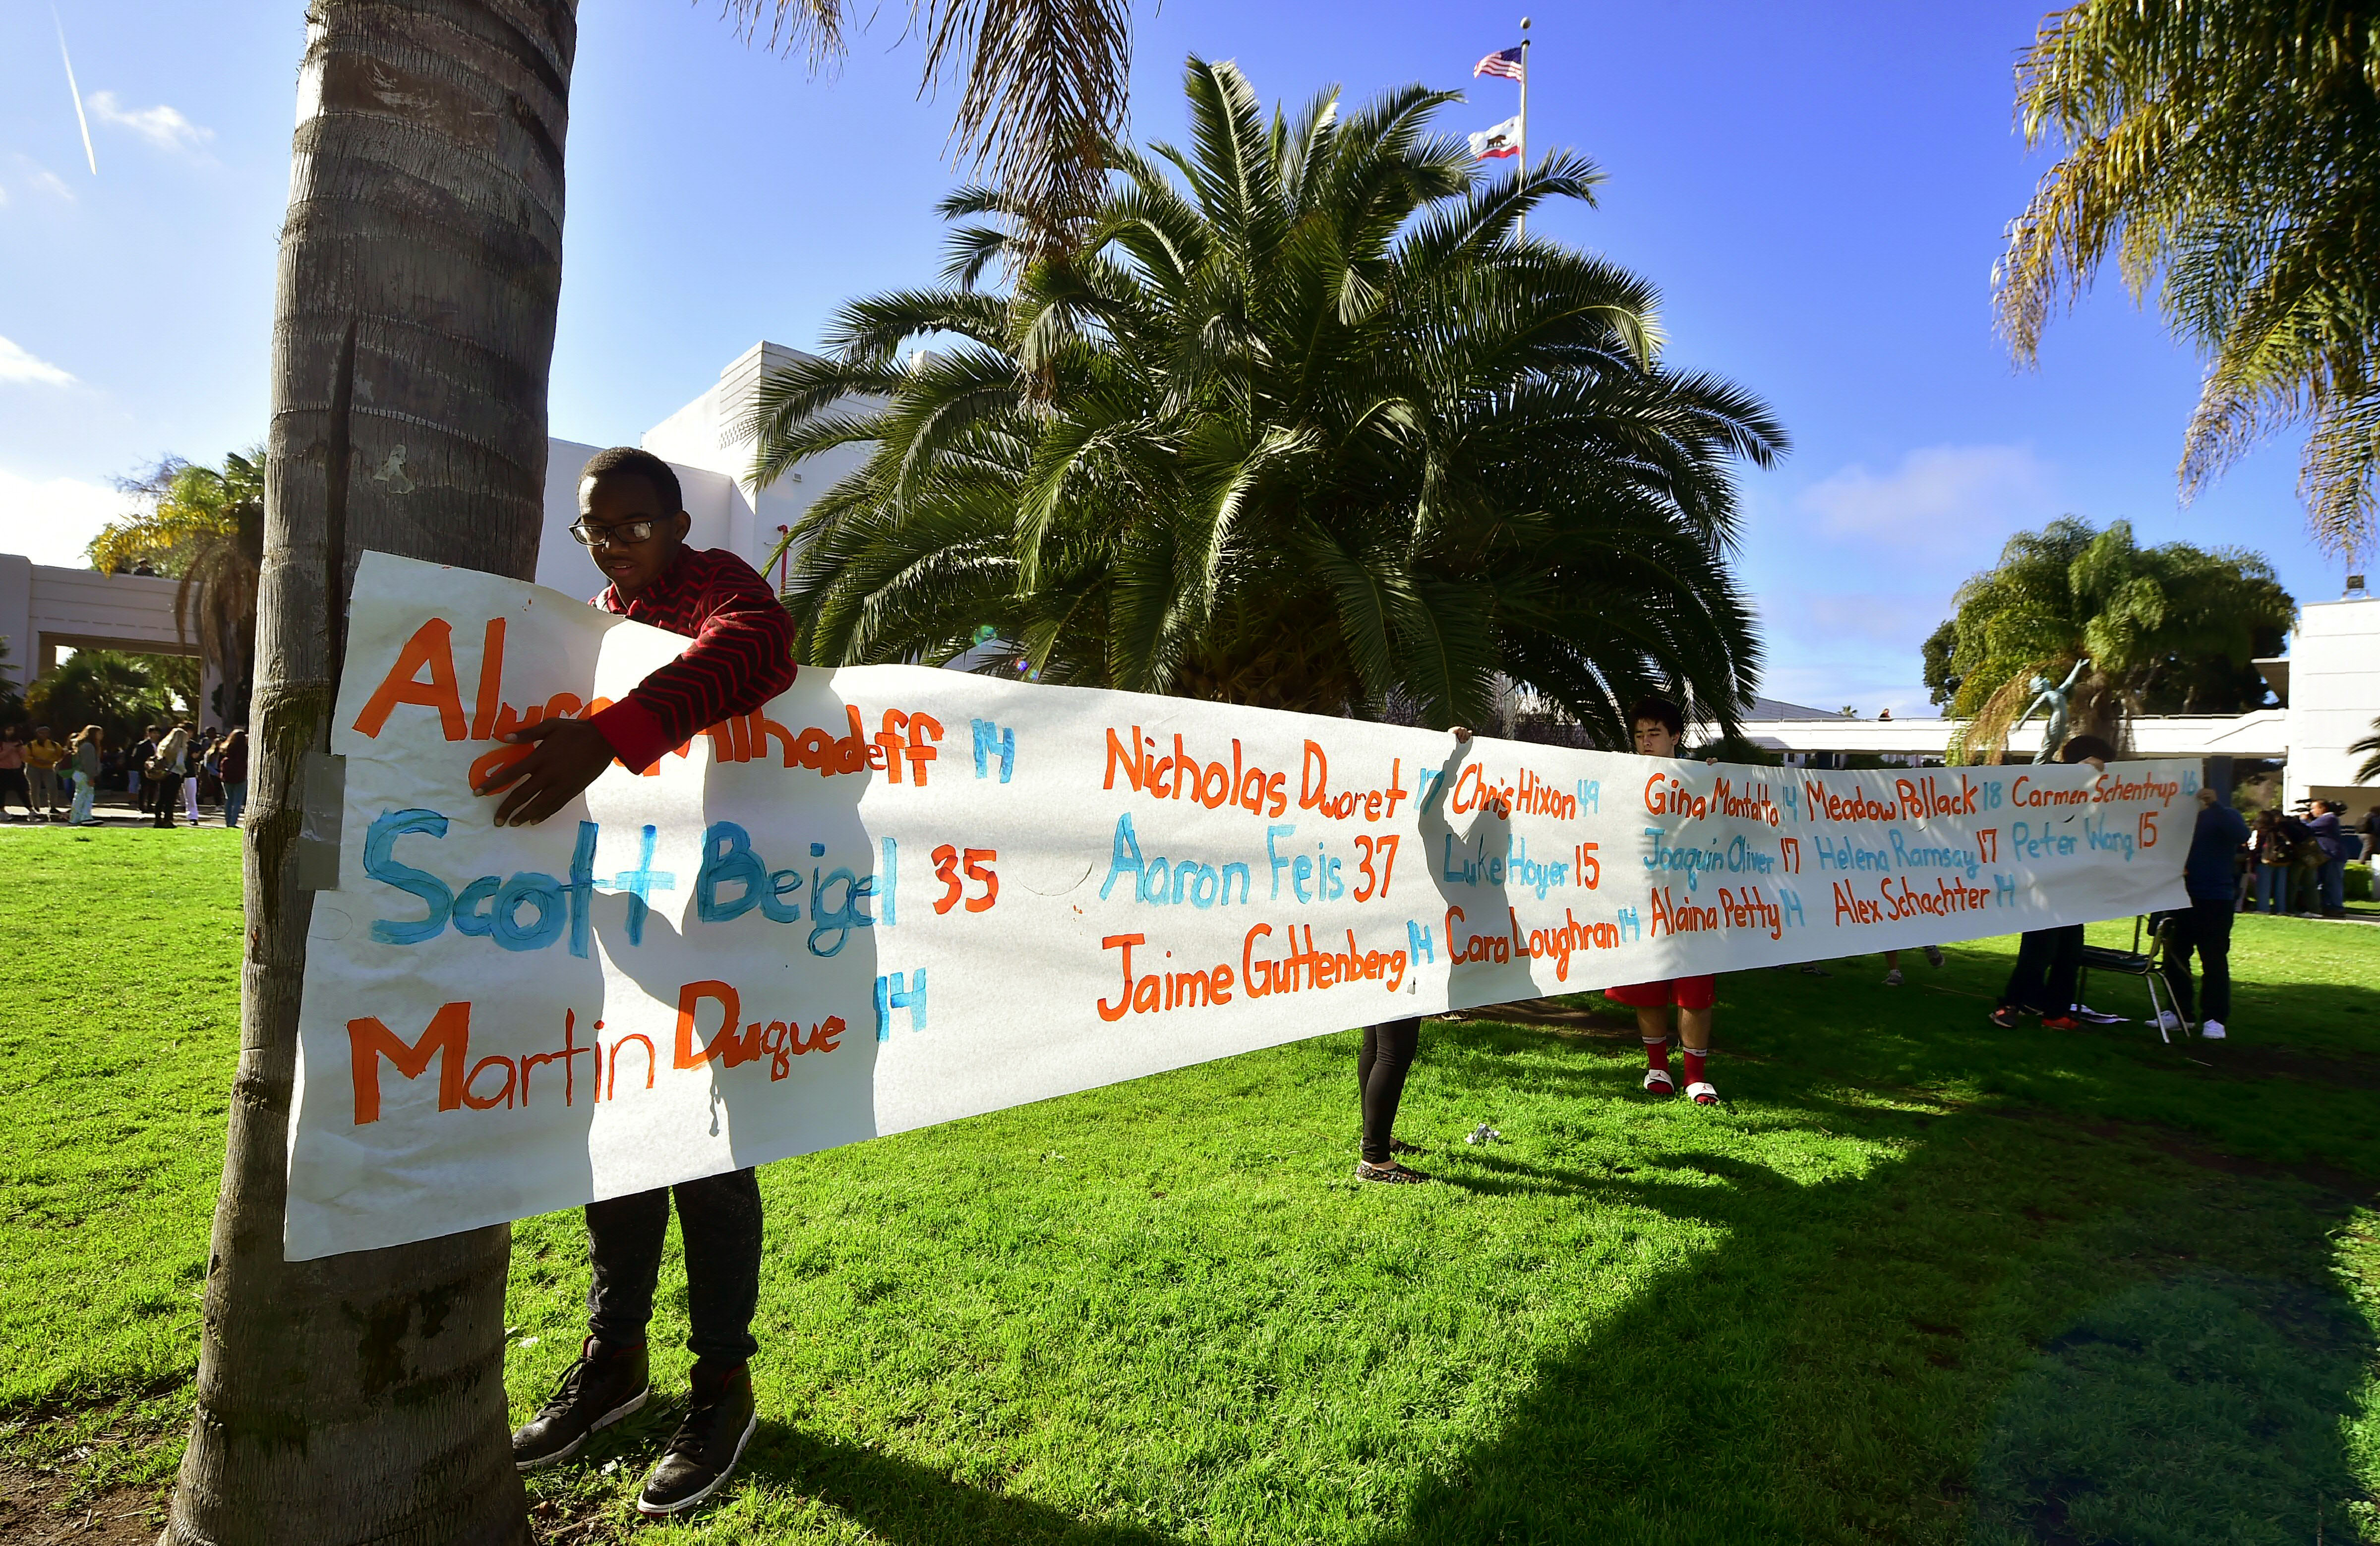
(2053, 735)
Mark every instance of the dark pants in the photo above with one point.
(2048, 961)
(168, 789)
(1381, 1080)
(2334, 886)
(2206, 929)
(720, 1218)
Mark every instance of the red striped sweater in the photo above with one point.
(741, 657)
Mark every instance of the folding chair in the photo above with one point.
(2147, 965)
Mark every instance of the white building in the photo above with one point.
(45, 609)
(712, 459)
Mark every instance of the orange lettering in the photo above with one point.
(431, 645)
(448, 1038)
(692, 994)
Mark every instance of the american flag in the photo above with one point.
(1504, 62)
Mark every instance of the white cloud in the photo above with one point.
(1940, 497)
(52, 521)
(162, 125)
(19, 365)
(46, 180)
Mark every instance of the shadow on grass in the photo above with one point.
(2019, 1329)
(912, 1505)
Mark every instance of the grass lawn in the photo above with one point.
(1920, 1281)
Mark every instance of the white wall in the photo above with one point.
(2333, 693)
(703, 442)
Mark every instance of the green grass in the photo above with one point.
(1921, 1280)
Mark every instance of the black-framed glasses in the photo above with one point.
(629, 533)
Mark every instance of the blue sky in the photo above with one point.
(1818, 189)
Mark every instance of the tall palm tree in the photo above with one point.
(2069, 593)
(360, 1398)
(2228, 153)
(1305, 424)
(204, 527)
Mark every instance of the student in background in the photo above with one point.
(165, 773)
(12, 771)
(2371, 831)
(136, 767)
(2333, 842)
(1657, 724)
(2049, 960)
(2268, 845)
(2212, 881)
(45, 758)
(193, 754)
(233, 762)
(88, 748)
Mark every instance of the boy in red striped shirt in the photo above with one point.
(631, 520)
(1658, 725)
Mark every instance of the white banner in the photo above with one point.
(898, 895)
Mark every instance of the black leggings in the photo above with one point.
(1381, 1080)
(2048, 961)
(720, 1218)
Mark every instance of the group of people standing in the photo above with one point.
(2300, 862)
(170, 766)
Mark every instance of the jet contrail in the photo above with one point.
(77, 91)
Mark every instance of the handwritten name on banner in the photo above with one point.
(896, 895)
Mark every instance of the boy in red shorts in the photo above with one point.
(1659, 724)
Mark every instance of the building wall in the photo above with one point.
(45, 609)
(707, 434)
(2334, 695)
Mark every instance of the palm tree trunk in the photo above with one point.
(360, 1398)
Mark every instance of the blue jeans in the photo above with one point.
(234, 802)
(2273, 888)
(85, 789)
(2333, 885)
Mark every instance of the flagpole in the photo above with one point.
(1520, 226)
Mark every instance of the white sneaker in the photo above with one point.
(1893, 977)
(2168, 1020)
(2211, 1030)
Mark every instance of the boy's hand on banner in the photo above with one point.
(1461, 732)
(566, 756)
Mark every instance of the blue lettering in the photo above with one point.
(380, 864)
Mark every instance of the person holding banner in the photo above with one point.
(1658, 726)
(2049, 961)
(1380, 1067)
(633, 522)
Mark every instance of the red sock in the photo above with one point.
(1692, 1058)
(1657, 1054)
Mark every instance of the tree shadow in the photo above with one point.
(915, 1505)
(1842, 1365)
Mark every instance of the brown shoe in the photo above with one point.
(605, 1385)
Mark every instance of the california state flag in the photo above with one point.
(1502, 141)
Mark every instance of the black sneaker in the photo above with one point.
(604, 1386)
(703, 1452)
